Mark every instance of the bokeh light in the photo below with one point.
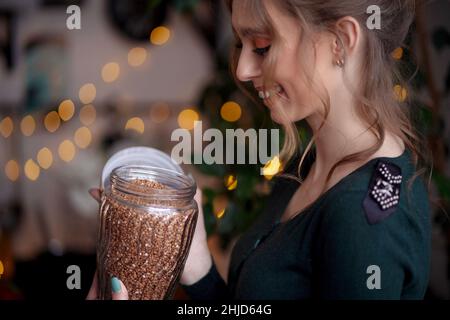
(6, 127)
(220, 214)
(400, 93)
(110, 72)
(87, 93)
(230, 182)
(66, 110)
(231, 111)
(220, 204)
(88, 115)
(28, 125)
(83, 137)
(137, 56)
(272, 167)
(32, 170)
(160, 35)
(136, 124)
(52, 121)
(397, 53)
(45, 158)
(187, 117)
(66, 150)
(124, 105)
(159, 112)
(12, 170)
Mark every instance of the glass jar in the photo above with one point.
(147, 220)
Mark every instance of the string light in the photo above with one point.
(27, 125)
(66, 150)
(159, 112)
(231, 111)
(220, 204)
(88, 115)
(87, 93)
(230, 182)
(220, 214)
(66, 110)
(186, 119)
(12, 170)
(272, 167)
(400, 93)
(52, 121)
(110, 72)
(32, 170)
(137, 56)
(45, 158)
(136, 124)
(397, 53)
(6, 127)
(160, 35)
(83, 137)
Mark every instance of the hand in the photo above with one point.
(96, 193)
(119, 292)
(199, 259)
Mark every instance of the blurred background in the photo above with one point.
(135, 71)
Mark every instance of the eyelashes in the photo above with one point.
(261, 51)
(258, 51)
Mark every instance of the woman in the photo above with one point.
(355, 223)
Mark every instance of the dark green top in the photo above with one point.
(342, 246)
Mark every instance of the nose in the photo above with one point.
(249, 68)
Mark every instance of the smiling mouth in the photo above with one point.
(277, 90)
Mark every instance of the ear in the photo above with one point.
(349, 32)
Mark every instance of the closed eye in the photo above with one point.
(261, 51)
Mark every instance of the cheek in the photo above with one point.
(288, 73)
(326, 74)
(294, 82)
(307, 78)
(291, 74)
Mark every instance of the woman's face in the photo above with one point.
(290, 89)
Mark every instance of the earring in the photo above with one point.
(340, 63)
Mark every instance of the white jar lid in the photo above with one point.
(138, 156)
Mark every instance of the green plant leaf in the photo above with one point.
(443, 185)
(447, 81)
(441, 38)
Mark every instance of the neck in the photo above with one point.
(342, 134)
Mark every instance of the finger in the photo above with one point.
(95, 193)
(199, 199)
(198, 196)
(93, 291)
(119, 292)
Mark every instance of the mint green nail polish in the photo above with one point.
(115, 285)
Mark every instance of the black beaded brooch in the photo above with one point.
(386, 192)
(383, 195)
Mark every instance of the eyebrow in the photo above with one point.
(248, 32)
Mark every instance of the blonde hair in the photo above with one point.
(377, 104)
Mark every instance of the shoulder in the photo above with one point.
(378, 194)
(355, 232)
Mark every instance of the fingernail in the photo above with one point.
(115, 285)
